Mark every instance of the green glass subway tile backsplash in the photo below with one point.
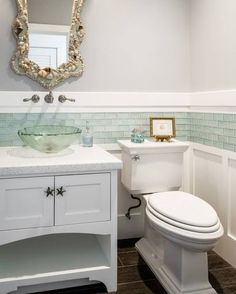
(213, 129)
(106, 127)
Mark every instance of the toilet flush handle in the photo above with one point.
(136, 157)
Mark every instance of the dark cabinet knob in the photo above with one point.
(49, 192)
(60, 191)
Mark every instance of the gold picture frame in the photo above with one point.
(162, 128)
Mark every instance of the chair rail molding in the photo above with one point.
(220, 100)
(208, 101)
(12, 101)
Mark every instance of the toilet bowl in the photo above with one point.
(179, 227)
(179, 230)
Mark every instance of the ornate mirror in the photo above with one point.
(48, 34)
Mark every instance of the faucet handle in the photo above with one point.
(62, 99)
(35, 99)
(49, 98)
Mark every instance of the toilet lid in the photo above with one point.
(183, 226)
(183, 208)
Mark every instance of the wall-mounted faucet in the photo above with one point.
(49, 98)
(35, 99)
(62, 99)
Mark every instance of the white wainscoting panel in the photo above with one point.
(232, 199)
(214, 180)
(207, 175)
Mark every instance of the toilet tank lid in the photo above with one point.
(184, 208)
(149, 146)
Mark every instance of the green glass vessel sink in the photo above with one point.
(49, 139)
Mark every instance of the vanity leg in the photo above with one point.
(5, 289)
(109, 280)
(110, 285)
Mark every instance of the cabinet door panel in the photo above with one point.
(23, 203)
(87, 199)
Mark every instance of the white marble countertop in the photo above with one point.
(18, 161)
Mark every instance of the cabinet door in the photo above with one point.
(24, 203)
(86, 198)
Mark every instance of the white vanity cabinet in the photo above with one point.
(23, 203)
(48, 201)
(58, 220)
(86, 198)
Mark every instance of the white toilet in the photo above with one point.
(179, 228)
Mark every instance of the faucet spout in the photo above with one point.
(49, 98)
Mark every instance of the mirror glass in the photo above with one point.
(48, 33)
(49, 30)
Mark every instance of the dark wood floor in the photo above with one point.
(134, 276)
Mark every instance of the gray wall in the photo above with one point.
(213, 44)
(130, 45)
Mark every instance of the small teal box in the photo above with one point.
(137, 136)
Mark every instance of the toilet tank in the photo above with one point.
(152, 166)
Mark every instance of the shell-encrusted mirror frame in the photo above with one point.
(47, 77)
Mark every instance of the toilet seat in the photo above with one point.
(184, 211)
(196, 229)
(200, 241)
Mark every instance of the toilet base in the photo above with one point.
(180, 271)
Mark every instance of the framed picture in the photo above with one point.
(162, 128)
